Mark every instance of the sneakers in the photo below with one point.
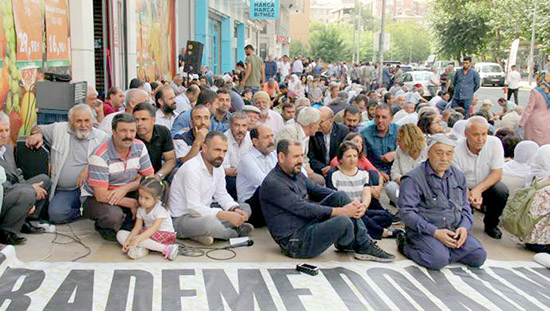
(203, 239)
(170, 251)
(138, 252)
(373, 253)
(400, 239)
(342, 249)
(245, 229)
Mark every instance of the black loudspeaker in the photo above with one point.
(193, 57)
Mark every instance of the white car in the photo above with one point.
(412, 78)
(490, 74)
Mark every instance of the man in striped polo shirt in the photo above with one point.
(115, 169)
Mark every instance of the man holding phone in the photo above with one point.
(436, 211)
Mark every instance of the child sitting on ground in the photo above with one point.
(153, 229)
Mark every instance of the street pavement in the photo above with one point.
(494, 93)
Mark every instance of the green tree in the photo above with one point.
(460, 27)
(409, 42)
(327, 42)
(298, 48)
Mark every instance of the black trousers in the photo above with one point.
(257, 216)
(494, 199)
(515, 92)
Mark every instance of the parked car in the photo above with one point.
(417, 77)
(406, 68)
(490, 74)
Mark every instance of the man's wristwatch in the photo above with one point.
(161, 176)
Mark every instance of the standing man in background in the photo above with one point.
(254, 73)
(512, 80)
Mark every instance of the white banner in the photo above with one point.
(269, 286)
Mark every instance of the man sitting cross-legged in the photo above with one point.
(194, 185)
(434, 206)
(303, 228)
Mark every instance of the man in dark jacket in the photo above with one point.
(324, 145)
(434, 206)
(304, 229)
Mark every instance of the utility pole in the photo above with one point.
(359, 30)
(381, 43)
(532, 51)
(354, 43)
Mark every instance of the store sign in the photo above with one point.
(264, 9)
(57, 32)
(281, 39)
(27, 15)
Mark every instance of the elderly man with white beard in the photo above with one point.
(71, 144)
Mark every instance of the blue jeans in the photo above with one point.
(65, 206)
(317, 236)
(464, 103)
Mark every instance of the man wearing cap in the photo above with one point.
(433, 204)
(268, 117)
(253, 114)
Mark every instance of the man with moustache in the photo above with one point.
(166, 104)
(434, 206)
(115, 170)
(253, 168)
(71, 144)
(304, 228)
(157, 139)
(195, 184)
(268, 117)
(188, 144)
(239, 143)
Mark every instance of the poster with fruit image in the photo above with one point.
(21, 62)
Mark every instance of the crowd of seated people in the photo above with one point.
(237, 158)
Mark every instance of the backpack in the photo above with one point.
(517, 217)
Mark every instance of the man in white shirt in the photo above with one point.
(253, 168)
(307, 124)
(284, 68)
(298, 66)
(177, 84)
(268, 117)
(408, 108)
(166, 104)
(131, 99)
(434, 82)
(481, 157)
(193, 187)
(513, 79)
(511, 120)
(188, 99)
(239, 144)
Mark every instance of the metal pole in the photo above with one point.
(354, 43)
(381, 43)
(532, 51)
(359, 29)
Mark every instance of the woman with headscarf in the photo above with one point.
(515, 173)
(295, 87)
(539, 239)
(534, 119)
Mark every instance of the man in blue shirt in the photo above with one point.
(465, 84)
(434, 206)
(304, 229)
(381, 140)
(209, 99)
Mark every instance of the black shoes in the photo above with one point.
(10, 238)
(493, 232)
(106, 234)
(400, 239)
(30, 229)
(373, 252)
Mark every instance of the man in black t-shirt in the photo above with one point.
(157, 139)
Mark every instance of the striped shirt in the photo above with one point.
(351, 185)
(108, 169)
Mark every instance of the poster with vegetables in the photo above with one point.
(27, 15)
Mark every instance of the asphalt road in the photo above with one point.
(494, 93)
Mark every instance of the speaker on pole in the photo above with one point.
(193, 57)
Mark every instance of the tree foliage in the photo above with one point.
(298, 48)
(460, 27)
(327, 42)
(409, 42)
